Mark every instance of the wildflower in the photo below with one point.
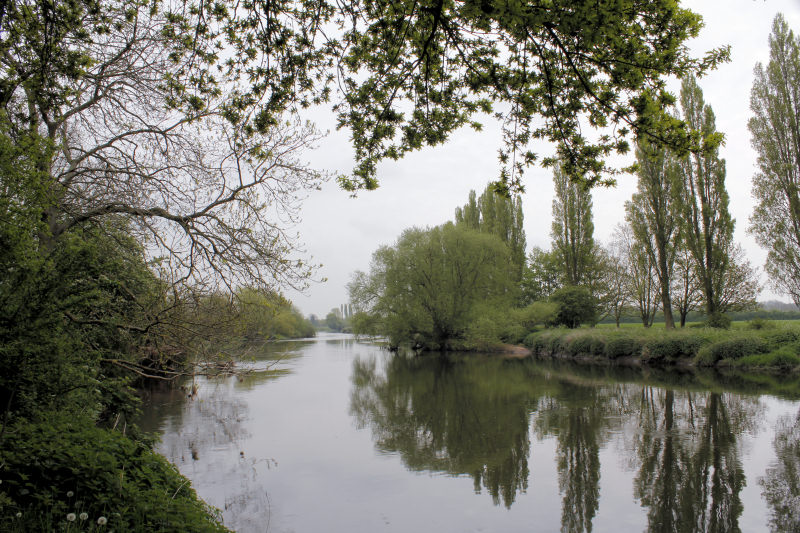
(71, 517)
(102, 521)
(70, 494)
(19, 514)
(83, 516)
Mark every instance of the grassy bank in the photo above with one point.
(754, 345)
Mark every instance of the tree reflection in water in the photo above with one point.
(578, 416)
(467, 416)
(690, 475)
(472, 416)
(781, 484)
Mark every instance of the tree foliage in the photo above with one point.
(775, 134)
(498, 215)
(139, 123)
(541, 277)
(641, 282)
(653, 217)
(401, 75)
(416, 71)
(573, 228)
(703, 201)
(577, 306)
(425, 287)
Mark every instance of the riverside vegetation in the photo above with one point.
(467, 284)
(152, 162)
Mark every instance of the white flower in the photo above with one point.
(70, 494)
(71, 517)
(102, 521)
(84, 516)
(19, 514)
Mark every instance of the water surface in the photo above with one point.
(337, 435)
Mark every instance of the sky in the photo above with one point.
(340, 232)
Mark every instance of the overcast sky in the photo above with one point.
(423, 189)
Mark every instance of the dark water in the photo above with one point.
(334, 435)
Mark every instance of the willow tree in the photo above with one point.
(424, 289)
(573, 229)
(775, 130)
(500, 215)
(702, 200)
(652, 216)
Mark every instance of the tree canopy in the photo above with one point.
(400, 75)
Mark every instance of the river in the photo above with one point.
(336, 435)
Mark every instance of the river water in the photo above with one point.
(335, 435)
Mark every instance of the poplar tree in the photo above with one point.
(573, 229)
(499, 215)
(775, 130)
(702, 200)
(652, 216)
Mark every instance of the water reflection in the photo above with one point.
(781, 484)
(579, 417)
(690, 476)
(462, 417)
(471, 416)
(552, 444)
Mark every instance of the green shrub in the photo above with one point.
(670, 347)
(781, 338)
(783, 358)
(730, 349)
(585, 344)
(512, 333)
(537, 313)
(617, 347)
(483, 332)
(67, 465)
(531, 342)
(576, 306)
(760, 323)
(719, 321)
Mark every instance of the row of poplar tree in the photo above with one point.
(675, 251)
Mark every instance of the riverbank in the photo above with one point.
(757, 346)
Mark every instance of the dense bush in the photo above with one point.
(548, 342)
(718, 321)
(584, 343)
(781, 338)
(671, 347)
(785, 357)
(576, 306)
(619, 346)
(760, 323)
(731, 349)
(767, 347)
(67, 465)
